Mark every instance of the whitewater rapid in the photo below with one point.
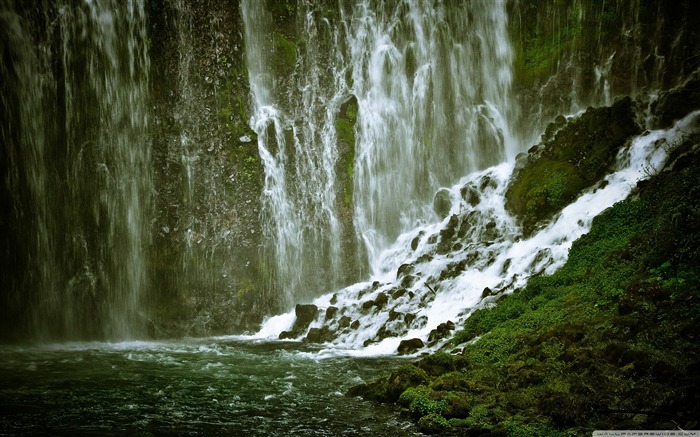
(492, 256)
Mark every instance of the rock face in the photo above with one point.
(579, 154)
(305, 315)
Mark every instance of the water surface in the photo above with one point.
(218, 386)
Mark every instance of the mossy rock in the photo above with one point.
(405, 377)
(578, 156)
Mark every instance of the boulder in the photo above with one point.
(442, 203)
(331, 311)
(305, 314)
(441, 331)
(409, 346)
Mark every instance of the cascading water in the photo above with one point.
(426, 115)
(79, 180)
(366, 121)
(436, 275)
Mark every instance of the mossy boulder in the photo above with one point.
(578, 156)
(409, 346)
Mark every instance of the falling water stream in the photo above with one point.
(79, 166)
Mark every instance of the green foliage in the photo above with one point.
(432, 424)
(422, 406)
(615, 328)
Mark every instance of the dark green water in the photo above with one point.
(189, 387)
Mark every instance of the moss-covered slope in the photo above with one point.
(574, 155)
(610, 341)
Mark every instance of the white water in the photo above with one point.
(428, 113)
(501, 260)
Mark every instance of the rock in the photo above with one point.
(403, 378)
(415, 241)
(677, 103)
(403, 270)
(398, 293)
(367, 304)
(344, 322)
(409, 346)
(578, 156)
(319, 335)
(437, 364)
(331, 312)
(284, 335)
(354, 325)
(381, 300)
(470, 195)
(393, 315)
(305, 315)
(442, 203)
(486, 293)
(441, 331)
(378, 301)
(408, 281)
(314, 335)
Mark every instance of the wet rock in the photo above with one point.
(677, 103)
(490, 232)
(319, 335)
(355, 325)
(410, 346)
(393, 315)
(403, 378)
(442, 203)
(437, 364)
(408, 281)
(344, 322)
(486, 293)
(331, 312)
(398, 293)
(441, 331)
(403, 270)
(305, 315)
(285, 335)
(378, 302)
(416, 241)
(470, 195)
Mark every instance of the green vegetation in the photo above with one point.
(580, 153)
(607, 342)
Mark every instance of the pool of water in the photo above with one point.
(217, 386)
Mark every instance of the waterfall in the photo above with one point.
(365, 119)
(79, 167)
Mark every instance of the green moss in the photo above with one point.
(286, 53)
(616, 328)
(345, 131)
(579, 155)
